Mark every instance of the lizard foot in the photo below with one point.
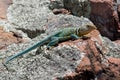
(49, 47)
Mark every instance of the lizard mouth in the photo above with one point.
(92, 27)
(95, 27)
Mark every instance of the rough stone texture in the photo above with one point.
(43, 64)
(7, 38)
(62, 21)
(56, 4)
(76, 7)
(70, 60)
(3, 8)
(96, 58)
(96, 64)
(113, 48)
(103, 13)
(118, 9)
(9, 35)
(104, 16)
(29, 14)
(46, 65)
(62, 11)
(117, 18)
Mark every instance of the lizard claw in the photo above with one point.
(49, 47)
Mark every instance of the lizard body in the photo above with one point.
(62, 35)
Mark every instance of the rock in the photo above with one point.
(63, 21)
(104, 17)
(62, 11)
(118, 9)
(78, 7)
(8, 35)
(95, 64)
(117, 41)
(112, 47)
(44, 62)
(29, 14)
(49, 63)
(56, 4)
(81, 44)
(7, 38)
(95, 58)
(52, 22)
(3, 8)
(118, 18)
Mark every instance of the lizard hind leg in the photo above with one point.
(53, 42)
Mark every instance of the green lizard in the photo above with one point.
(55, 38)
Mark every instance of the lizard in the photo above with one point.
(58, 36)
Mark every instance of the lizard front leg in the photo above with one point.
(56, 40)
(74, 36)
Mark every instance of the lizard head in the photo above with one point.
(91, 27)
(86, 29)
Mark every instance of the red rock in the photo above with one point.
(7, 38)
(118, 11)
(117, 41)
(4, 4)
(105, 18)
(63, 11)
(114, 60)
(102, 8)
(81, 44)
(94, 65)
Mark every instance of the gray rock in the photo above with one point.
(62, 21)
(32, 17)
(47, 65)
(7, 27)
(76, 7)
(56, 4)
(113, 49)
(43, 64)
(29, 14)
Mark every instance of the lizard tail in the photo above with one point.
(25, 51)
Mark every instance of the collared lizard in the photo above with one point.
(55, 38)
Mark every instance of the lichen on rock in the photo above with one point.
(93, 58)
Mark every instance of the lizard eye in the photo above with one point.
(88, 26)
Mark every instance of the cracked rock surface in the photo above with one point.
(95, 58)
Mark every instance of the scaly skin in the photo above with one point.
(62, 35)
